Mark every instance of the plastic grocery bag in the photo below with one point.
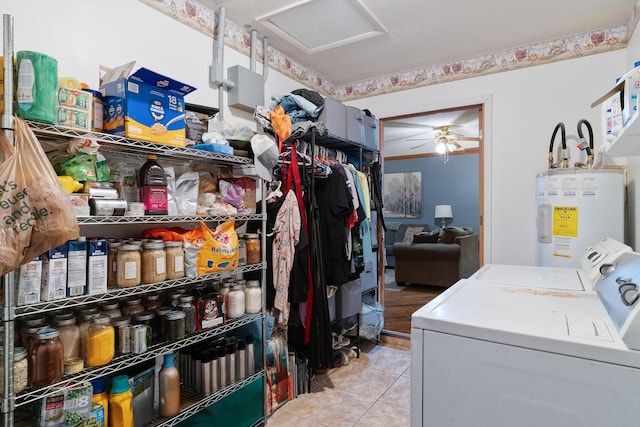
(220, 248)
(36, 211)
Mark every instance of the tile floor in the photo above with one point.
(370, 391)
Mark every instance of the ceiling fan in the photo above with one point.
(446, 139)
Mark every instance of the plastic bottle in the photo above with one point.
(153, 187)
(120, 407)
(101, 397)
(169, 385)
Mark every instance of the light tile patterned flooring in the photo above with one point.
(368, 392)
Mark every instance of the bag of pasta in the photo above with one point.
(37, 214)
(220, 248)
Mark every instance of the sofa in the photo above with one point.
(438, 258)
(396, 232)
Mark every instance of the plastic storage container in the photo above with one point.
(120, 402)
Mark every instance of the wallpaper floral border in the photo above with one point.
(193, 14)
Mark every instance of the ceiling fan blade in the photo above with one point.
(420, 145)
(396, 124)
(467, 138)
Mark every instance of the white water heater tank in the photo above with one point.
(577, 208)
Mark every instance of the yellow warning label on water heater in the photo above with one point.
(565, 221)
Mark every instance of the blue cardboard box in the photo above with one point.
(152, 105)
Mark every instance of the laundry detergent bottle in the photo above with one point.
(120, 402)
(153, 187)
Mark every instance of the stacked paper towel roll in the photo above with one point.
(37, 86)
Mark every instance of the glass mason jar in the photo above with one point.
(151, 302)
(160, 323)
(146, 318)
(101, 341)
(253, 297)
(186, 306)
(154, 261)
(70, 337)
(235, 302)
(175, 260)
(20, 369)
(175, 325)
(83, 326)
(111, 309)
(131, 307)
(128, 266)
(112, 265)
(46, 358)
(252, 242)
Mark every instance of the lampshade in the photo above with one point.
(443, 211)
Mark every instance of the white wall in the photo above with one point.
(84, 34)
(523, 108)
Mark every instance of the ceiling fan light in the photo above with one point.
(441, 148)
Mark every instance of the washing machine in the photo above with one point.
(493, 354)
(583, 278)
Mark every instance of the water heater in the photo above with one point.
(577, 208)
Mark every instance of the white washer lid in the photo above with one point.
(563, 322)
(533, 277)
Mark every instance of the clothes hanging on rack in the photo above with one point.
(286, 235)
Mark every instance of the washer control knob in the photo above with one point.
(628, 293)
(606, 269)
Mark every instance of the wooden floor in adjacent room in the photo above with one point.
(401, 301)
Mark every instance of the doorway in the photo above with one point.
(445, 149)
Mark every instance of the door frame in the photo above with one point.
(485, 106)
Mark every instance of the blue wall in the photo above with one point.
(454, 183)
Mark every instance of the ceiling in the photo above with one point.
(354, 42)
(394, 36)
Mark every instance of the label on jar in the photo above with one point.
(130, 270)
(179, 263)
(160, 267)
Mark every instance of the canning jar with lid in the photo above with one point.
(235, 302)
(100, 341)
(111, 309)
(112, 265)
(252, 242)
(253, 297)
(175, 259)
(174, 322)
(70, 337)
(20, 369)
(46, 358)
(154, 261)
(186, 306)
(122, 326)
(159, 322)
(128, 266)
(83, 326)
(151, 302)
(131, 307)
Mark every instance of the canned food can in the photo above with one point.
(124, 339)
(107, 207)
(140, 338)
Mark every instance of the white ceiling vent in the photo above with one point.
(318, 25)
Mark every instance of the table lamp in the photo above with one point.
(443, 212)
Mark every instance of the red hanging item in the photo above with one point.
(293, 177)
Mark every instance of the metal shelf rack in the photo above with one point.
(116, 146)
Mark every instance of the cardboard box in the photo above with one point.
(97, 267)
(54, 274)
(29, 281)
(71, 403)
(153, 105)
